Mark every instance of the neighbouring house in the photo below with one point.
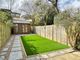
(21, 25)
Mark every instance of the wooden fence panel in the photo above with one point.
(4, 34)
(52, 32)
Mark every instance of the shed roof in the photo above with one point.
(21, 20)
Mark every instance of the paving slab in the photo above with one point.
(13, 49)
(69, 56)
(15, 55)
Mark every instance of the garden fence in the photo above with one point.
(4, 34)
(52, 32)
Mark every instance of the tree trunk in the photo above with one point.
(77, 43)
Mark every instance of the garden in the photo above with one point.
(51, 29)
(35, 44)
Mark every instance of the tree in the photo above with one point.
(50, 16)
(42, 9)
(36, 10)
(51, 12)
(71, 23)
(5, 16)
(55, 5)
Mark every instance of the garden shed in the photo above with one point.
(21, 26)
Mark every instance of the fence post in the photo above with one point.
(45, 30)
(52, 32)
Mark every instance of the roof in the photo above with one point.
(22, 21)
(16, 13)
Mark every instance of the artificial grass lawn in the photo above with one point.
(35, 44)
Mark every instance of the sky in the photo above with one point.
(15, 7)
(62, 4)
(65, 4)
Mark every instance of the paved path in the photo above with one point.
(69, 56)
(14, 51)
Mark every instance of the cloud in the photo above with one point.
(62, 4)
(17, 5)
(6, 4)
(65, 4)
(3, 4)
(76, 4)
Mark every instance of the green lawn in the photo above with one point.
(35, 44)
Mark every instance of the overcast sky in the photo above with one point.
(62, 4)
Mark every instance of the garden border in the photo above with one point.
(23, 49)
(48, 55)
